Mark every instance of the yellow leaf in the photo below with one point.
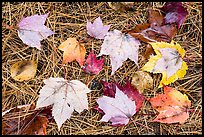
(168, 61)
(72, 50)
(23, 70)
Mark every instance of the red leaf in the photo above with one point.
(109, 89)
(133, 94)
(128, 89)
(92, 65)
(175, 13)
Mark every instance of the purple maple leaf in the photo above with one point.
(97, 29)
(175, 13)
(114, 98)
(32, 30)
(92, 64)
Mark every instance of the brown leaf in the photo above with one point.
(148, 52)
(154, 31)
(24, 121)
(155, 17)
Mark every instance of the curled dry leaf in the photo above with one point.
(23, 70)
(172, 106)
(168, 61)
(97, 29)
(92, 64)
(142, 80)
(72, 51)
(120, 47)
(65, 96)
(119, 103)
(32, 30)
(121, 6)
(24, 120)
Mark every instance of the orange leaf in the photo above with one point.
(172, 106)
(72, 51)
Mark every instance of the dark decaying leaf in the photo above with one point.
(155, 30)
(26, 121)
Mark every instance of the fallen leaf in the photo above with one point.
(72, 50)
(23, 70)
(142, 80)
(32, 30)
(172, 106)
(121, 6)
(65, 96)
(168, 61)
(118, 110)
(133, 94)
(92, 64)
(121, 104)
(175, 13)
(149, 51)
(120, 47)
(23, 120)
(155, 30)
(97, 29)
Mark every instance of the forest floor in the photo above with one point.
(69, 20)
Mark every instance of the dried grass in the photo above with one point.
(69, 20)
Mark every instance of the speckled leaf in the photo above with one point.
(168, 61)
(120, 47)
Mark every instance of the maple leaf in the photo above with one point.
(172, 106)
(120, 47)
(117, 112)
(72, 50)
(97, 29)
(23, 70)
(32, 30)
(92, 65)
(32, 123)
(168, 61)
(175, 13)
(155, 30)
(64, 96)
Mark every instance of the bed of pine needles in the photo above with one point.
(69, 20)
